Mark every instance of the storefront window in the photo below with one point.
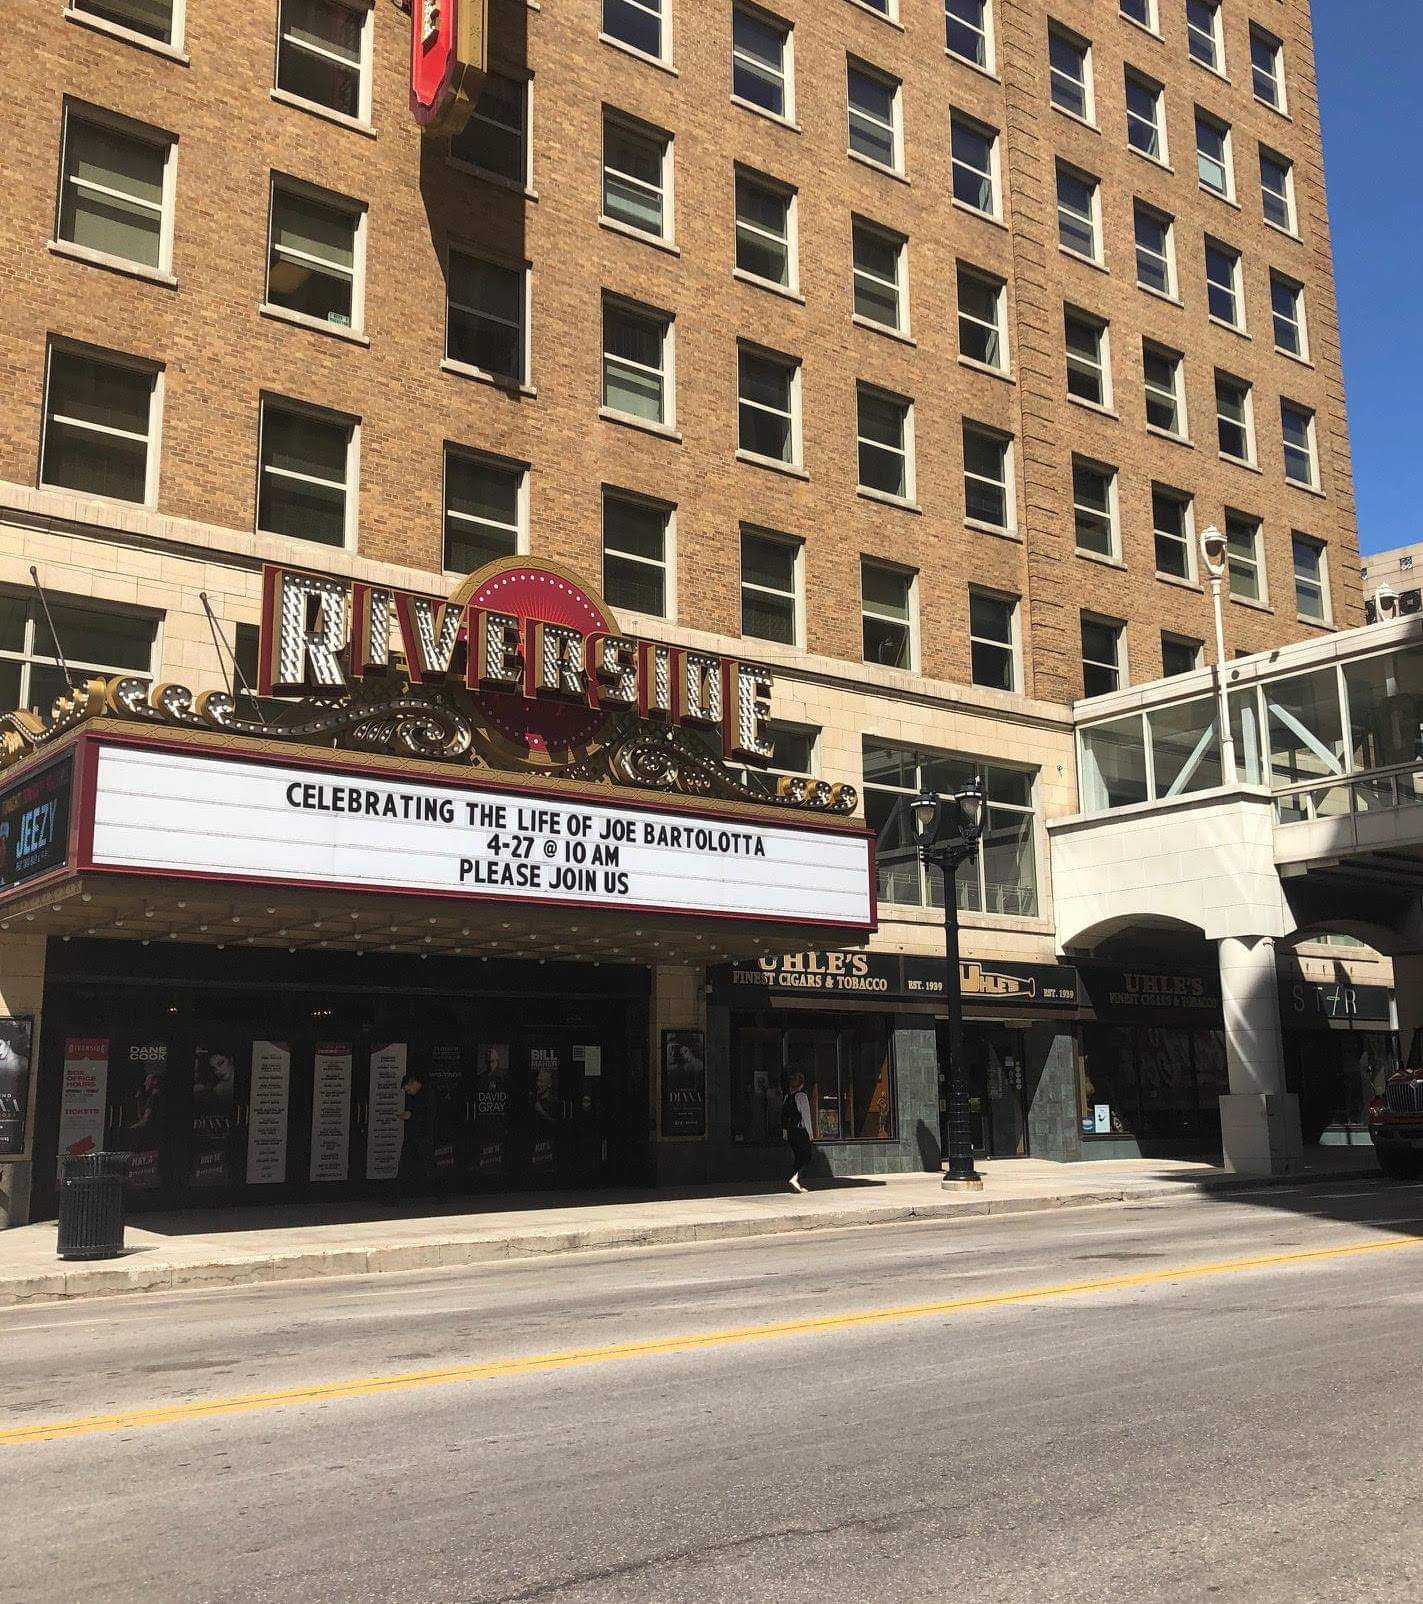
(1152, 1082)
(849, 1078)
(1001, 878)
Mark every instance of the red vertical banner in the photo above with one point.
(448, 41)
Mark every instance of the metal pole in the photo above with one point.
(1229, 773)
(961, 1172)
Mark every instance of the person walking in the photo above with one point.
(417, 1147)
(795, 1127)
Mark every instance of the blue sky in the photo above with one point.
(1373, 149)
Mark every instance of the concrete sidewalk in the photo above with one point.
(238, 1246)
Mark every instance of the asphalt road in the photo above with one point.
(1245, 1431)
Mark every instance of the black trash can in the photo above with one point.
(91, 1206)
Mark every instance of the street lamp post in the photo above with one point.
(1215, 551)
(947, 832)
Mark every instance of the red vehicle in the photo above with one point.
(1396, 1118)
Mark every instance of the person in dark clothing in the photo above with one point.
(417, 1147)
(795, 1127)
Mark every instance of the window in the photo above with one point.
(993, 640)
(1223, 284)
(115, 189)
(321, 54)
(305, 485)
(761, 61)
(1297, 426)
(765, 237)
(986, 457)
(1146, 121)
(770, 588)
(1069, 73)
(767, 404)
(1233, 418)
(1094, 507)
(1277, 190)
(637, 176)
(1142, 11)
(1173, 528)
(1000, 878)
(981, 337)
(849, 1078)
(1161, 374)
(635, 553)
(95, 642)
(792, 756)
(884, 430)
(1154, 256)
(100, 424)
(1086, 341)
(635, 23)
(314, 255)
(879, 273)
(1203, 33)
(153, 19)
(1242, 539)
(1267, 72)
(1077, 212)
(1287, 309)
(637, 361)
(1179, 655)
(975, 160)
(1213, 154)
(486, 510)
(495, 139)
(1102, 670)
(485, 324)
(874, 115)
(966, 30)
(886, 613)
(1311, 587)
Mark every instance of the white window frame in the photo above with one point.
(1157, 91)
(149, 135)
(153, 439)
(1234, 287)
(524, 183)
(31, 655)
(796, 594)
(1177, 392)
(767, 19)
(284, 183)
(1008, 484)
(1208, 119)
(1214, 38)
(504, 465)
(905, 449)
(1248, 410)
(900, 283)
(1321, 550)
(662, 10)
(1094, 218)
(1254, 563)
(78, 11)
(985, 32)
(1014, 644)
(763, 780)
(1291, 228)
(1083, 47)
(1300, 320)
(1102, 366)
(668, 564)
(457, 365)
(793, 366)
(1280, 101)
(1197, 649)
(1187, 537)
(791, 239)
(653, 135)
(993, 175)
(1120, 667)
(1113, 553)
(910, 576)
(362, 119)
(350, 488)
(999, 289)
(1168, 226)
(1151, 24)
(1310, 418)
(666, 375)
(886, 80)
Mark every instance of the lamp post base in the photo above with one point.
(952, 1183)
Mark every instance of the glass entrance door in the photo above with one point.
(998, 1112)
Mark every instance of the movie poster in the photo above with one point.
(269, 1108)
(544, 1072)
(684, 1084)
(145, 1112)
(446, 1085)
(16, 1039)
(491, 1111)
(331, 1112)
(384, 1126)
(83, 1091)
(216, 1135)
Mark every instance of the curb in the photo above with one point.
(116, 1280)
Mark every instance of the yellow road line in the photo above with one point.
(374, 1386)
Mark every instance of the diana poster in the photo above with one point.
(16, 1039)
(684, 1084)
